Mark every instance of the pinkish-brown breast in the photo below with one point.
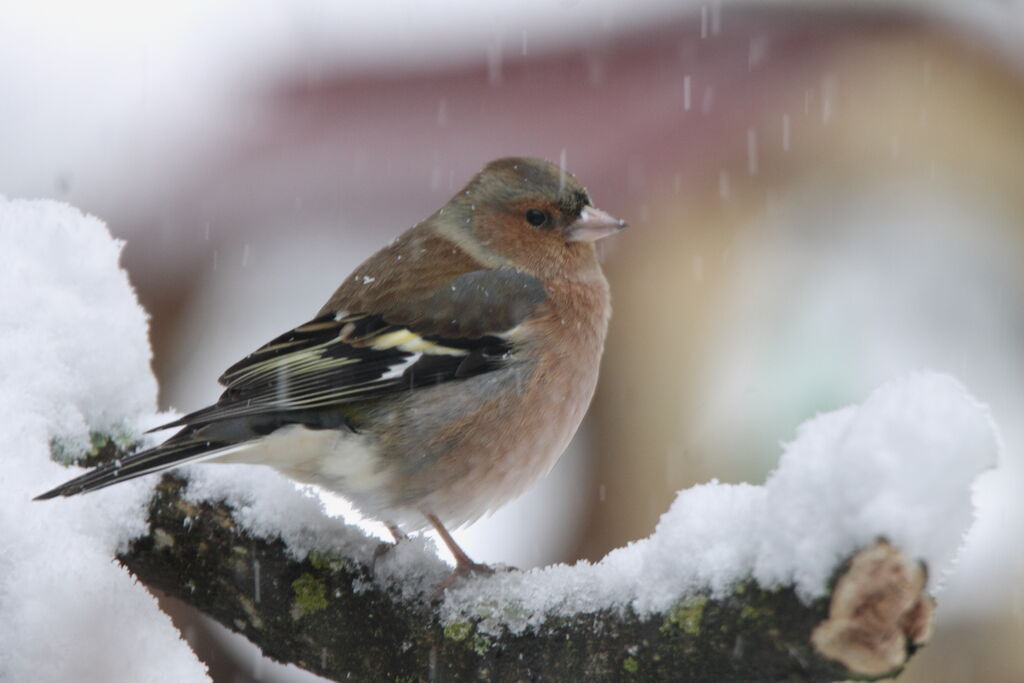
(467, 452)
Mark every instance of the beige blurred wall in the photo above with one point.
(921, 111)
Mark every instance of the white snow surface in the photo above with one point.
(74, 359)
(900, 466)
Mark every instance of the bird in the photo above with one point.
(445, 375)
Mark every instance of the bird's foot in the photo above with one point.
(464, 566)
(383, 548)
(462, 570)
(467, 569)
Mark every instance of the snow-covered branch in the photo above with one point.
(346, 619)
(788, 580)
(817, 574)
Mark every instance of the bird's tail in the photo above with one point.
(171, 454)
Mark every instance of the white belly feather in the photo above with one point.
(341, 462)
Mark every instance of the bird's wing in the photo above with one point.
(455, 331)
(309, 374)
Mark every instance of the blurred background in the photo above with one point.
(822, 195)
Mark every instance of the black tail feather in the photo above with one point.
(195, 442)
(153, 460)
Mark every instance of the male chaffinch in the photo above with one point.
(443, 377)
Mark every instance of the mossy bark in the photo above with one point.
(328, 616)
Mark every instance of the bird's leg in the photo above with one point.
(396, 533)
(463, 564)
(383, 548)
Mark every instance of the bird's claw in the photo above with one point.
(383, 548)
(465, 569)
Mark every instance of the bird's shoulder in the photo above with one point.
(438, 285)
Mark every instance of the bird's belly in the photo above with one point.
(340, 461)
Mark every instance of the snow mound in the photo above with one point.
(900, 466)
(74, 360)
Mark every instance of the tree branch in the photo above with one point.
(328, 615)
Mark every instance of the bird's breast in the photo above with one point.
(467, 452)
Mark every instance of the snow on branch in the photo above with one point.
(820, 573)
(823, 572)
(74, 359)
(347, 619)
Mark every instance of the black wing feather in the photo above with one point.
(329, 362)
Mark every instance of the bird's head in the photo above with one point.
(532, 213)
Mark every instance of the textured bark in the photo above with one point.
(326, 615)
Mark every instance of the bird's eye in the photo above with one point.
(536, 217)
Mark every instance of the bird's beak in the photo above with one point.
(592, 225)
